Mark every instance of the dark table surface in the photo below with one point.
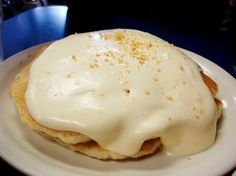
(45, 24)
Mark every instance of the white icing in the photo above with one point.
(120, 88)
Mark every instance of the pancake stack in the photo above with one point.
(77, 141)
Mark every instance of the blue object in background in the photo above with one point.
(33, 27)
(49, 23)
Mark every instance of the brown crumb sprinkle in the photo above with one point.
(73, 57)
(127, 91)
(141, 59)
(93, 65)
(150, 45)
(169, 98)
(147, 92)
(181, 67)
(119, 36)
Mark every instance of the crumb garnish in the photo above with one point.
(150, 45)
(119, 36)
(93, 65)
(169, 98)
(181, 67)
(74, 58)
(147, 92)
(127, 91)
(141, 59)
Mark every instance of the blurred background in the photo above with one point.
(207, 27)
(204, 16)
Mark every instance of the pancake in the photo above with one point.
(74, 140)
(18, 89)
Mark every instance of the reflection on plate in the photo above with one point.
(44, 157)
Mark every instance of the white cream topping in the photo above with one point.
(120, 88)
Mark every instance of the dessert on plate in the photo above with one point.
(117, 94)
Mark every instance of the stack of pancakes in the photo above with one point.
(76, 141)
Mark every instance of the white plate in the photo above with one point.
(35, 155)
(234, 174)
